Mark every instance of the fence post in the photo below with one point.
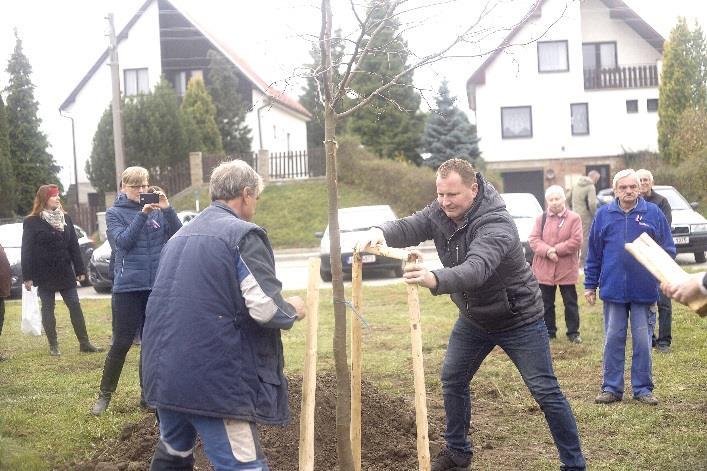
(196, 168)
(264, 164)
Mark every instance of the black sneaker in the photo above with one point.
(449, 461)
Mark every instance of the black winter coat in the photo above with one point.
(485, 271)
(50, 258)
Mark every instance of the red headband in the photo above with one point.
(54, 191)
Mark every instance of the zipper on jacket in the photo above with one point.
(122, 265)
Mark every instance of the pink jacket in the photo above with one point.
(564, 232)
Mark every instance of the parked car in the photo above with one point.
(689, 228)
(11, 240)
(352, 223)
(98, 265)
(524, 209)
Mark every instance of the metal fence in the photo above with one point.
(282, 165)
(172, 179)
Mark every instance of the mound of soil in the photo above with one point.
(388, 437)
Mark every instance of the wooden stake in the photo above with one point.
(309, 375)
(423, 442)
(356, 359)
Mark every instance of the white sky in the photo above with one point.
(62, 39)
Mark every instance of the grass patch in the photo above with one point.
(291, 212)
(44, 401)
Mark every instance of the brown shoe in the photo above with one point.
(648, 399)
(606, 397)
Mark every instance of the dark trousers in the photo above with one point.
(569, 298)
(71, 299)
(665, 320)
(128, 315)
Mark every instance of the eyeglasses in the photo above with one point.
(138, 187)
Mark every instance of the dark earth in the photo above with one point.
(388, 435)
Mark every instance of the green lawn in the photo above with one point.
(44, 401)
(291, 212)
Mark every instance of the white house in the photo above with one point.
(570, 89)
(160, 39)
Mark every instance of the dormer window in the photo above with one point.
(553, 56)
(181, 80)
(597, 56)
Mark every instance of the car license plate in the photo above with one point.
(366, 258)
(681, 240)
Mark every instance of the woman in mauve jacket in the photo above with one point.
(51, 261)
(556, 240)
(136, 232)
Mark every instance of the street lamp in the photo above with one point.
(76, 170)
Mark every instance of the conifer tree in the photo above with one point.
(224, 87)
(32, 164)
(683, 84)
(200, 117)
(391, 126)
(7, 177)
(448, 132)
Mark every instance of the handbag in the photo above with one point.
(31, 316)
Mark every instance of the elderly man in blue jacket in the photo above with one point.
(628, 290)
(212, 357)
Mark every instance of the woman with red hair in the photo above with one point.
(52, 262)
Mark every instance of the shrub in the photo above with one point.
(406, 187)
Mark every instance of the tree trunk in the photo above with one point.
(343, 379)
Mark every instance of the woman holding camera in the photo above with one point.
(138, 225)
(51, 261)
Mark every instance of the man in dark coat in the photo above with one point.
(665, 306)
(212, 359)
(5, 279)
(499, 303)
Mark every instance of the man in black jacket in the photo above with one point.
(665, 307)
(499, 303)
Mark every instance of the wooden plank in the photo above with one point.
(662, 266)
(356, 358)
(423, 442)
(309, 375)
(391, 252)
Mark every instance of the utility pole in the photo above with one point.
(117, 109)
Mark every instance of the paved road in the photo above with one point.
(291, 267)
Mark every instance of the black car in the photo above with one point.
(11, 240)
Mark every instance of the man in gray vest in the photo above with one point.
(665, 306)
(584, 203)
(212, 356)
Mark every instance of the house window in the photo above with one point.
(599, 56)
(553, 56)
(580, 119)
(181, 80)
(652, 105)
(631, 106)
(135, 81)
(516, 121)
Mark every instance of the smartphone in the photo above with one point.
(149, 198)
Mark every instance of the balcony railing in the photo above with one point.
(630, 76)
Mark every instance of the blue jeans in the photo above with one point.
(529, 349)
(616, 319)
(229, 444)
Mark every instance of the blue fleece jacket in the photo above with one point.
(609, 266)
(137, 239)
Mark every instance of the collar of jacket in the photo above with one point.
(639, 208)
(122, 201)
(225, 207)
(561, 214)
